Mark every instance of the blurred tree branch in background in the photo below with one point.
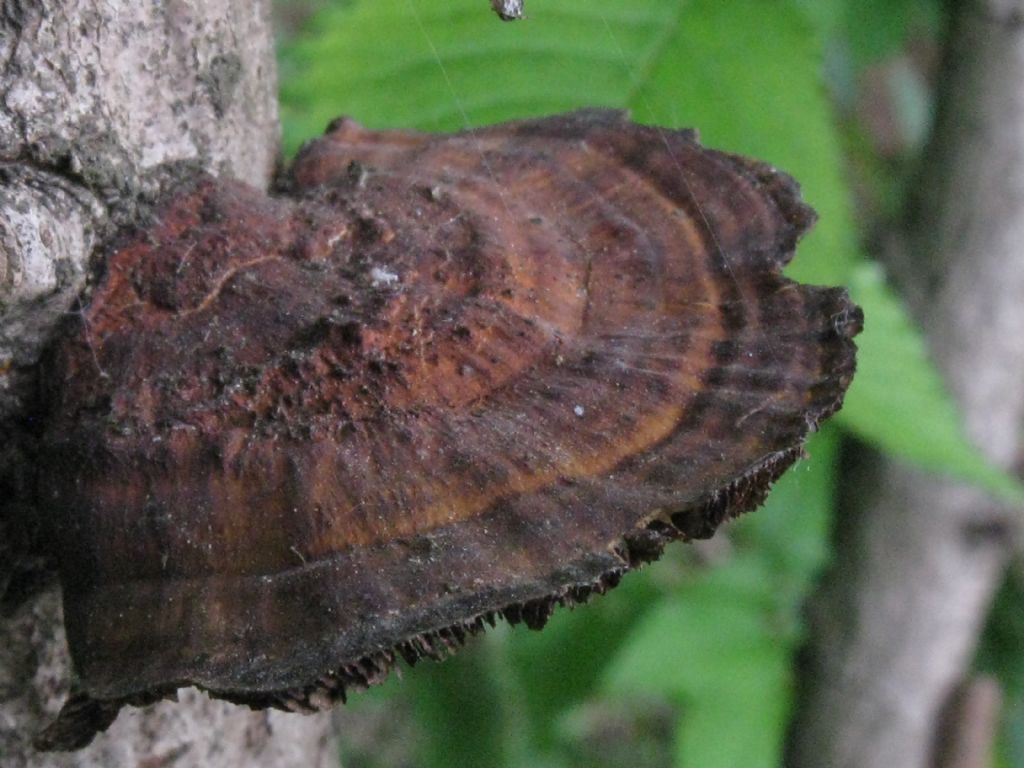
(919, 557)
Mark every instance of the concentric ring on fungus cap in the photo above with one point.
(438, 380)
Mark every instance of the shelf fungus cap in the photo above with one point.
(437, 381)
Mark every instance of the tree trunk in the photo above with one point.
(94, 98)
(919, 557)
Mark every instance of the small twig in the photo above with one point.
(968, 725)
(508, 10)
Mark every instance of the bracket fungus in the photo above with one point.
(435, 381)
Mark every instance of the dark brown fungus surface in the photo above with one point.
(438, 381)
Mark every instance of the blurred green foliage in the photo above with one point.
(747, 73)
(699, 648)
(1000, 655)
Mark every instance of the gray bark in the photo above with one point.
(898, 619)
(94, 97)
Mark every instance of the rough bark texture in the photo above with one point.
(94, 97)
(899, 617)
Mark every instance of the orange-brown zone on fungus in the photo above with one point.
(438, 379)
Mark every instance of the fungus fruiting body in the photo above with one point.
(435, 381)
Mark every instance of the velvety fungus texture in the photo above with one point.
(434, 381)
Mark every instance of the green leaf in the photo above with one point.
(875, 29)
(463, 701)
(898, 400)
(1011, 742)
(827, 15)
(791, 531)
(746, 72)
(560, 667)
(713, 650)
(743, 724)
(722, 645)
(695, 643)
